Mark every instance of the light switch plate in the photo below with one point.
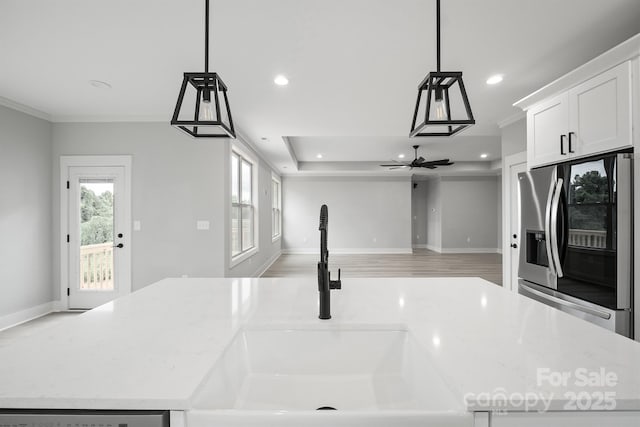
(202, 225)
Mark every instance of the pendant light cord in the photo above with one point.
(206, 37)
(437, 31)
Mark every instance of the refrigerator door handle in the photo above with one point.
(553, 220)
(547, 225)
(558, 301)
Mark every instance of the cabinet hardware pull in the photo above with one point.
(571, 149)
(562, 137)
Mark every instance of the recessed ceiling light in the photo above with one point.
(318, 156)
(281, 80)
(99, 84)
(484, 155)
(494, 80)
(401, 156)
(264, 138)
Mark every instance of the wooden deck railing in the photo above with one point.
(588, 238)
(96, 266)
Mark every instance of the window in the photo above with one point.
(276, 208)
(242, 206)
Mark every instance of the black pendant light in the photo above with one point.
(207, 115)
(436, 95)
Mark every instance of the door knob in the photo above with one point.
(119, 245)
(514, 246)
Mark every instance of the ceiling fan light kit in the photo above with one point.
(434, 100)
(208, 114)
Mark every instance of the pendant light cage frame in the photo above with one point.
(198, 128)
(211, 92)
(440, 84)
(437, 86)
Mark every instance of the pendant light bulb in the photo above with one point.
(440, 111)
(206, 111)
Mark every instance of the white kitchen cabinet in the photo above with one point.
(592, 117)
(600, 112)
(566, 419)
(547, 127)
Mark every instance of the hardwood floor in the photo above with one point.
(421, 263)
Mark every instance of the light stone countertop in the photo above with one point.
(153, 348)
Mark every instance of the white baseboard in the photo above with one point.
(348, 251)
(14, 319)
(268, 264)
(434, 248)
(420, 246)
(469, 250)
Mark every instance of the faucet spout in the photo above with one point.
(325, 284)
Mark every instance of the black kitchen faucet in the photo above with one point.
(325, 284)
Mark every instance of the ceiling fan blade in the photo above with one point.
(438, 162)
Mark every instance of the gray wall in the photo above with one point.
(176, 180)
(25, 211)
(434, 214)
(419, 214)
(469, 212)
(500, 219)
(514, 138)
(361, 209)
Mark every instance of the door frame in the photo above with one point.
(66, 162)
(507, 163)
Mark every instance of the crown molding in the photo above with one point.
(109, 119)
(512, 119)
(625, 51)
(24, 109)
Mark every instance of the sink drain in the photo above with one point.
(326, 408)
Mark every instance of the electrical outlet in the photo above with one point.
(202, 225)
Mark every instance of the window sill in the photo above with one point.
(243, 257)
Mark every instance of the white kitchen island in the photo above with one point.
(506, 360)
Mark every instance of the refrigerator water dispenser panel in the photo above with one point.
(536, 248)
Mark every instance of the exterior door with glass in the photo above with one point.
(98, 238)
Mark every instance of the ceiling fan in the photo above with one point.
(419, 162)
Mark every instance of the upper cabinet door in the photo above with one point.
(547, 131)
(600, 112)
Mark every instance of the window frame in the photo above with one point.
(241, 256)
(276, 206)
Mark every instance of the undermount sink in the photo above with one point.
(304, 369)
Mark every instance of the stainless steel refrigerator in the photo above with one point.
(577, 238)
